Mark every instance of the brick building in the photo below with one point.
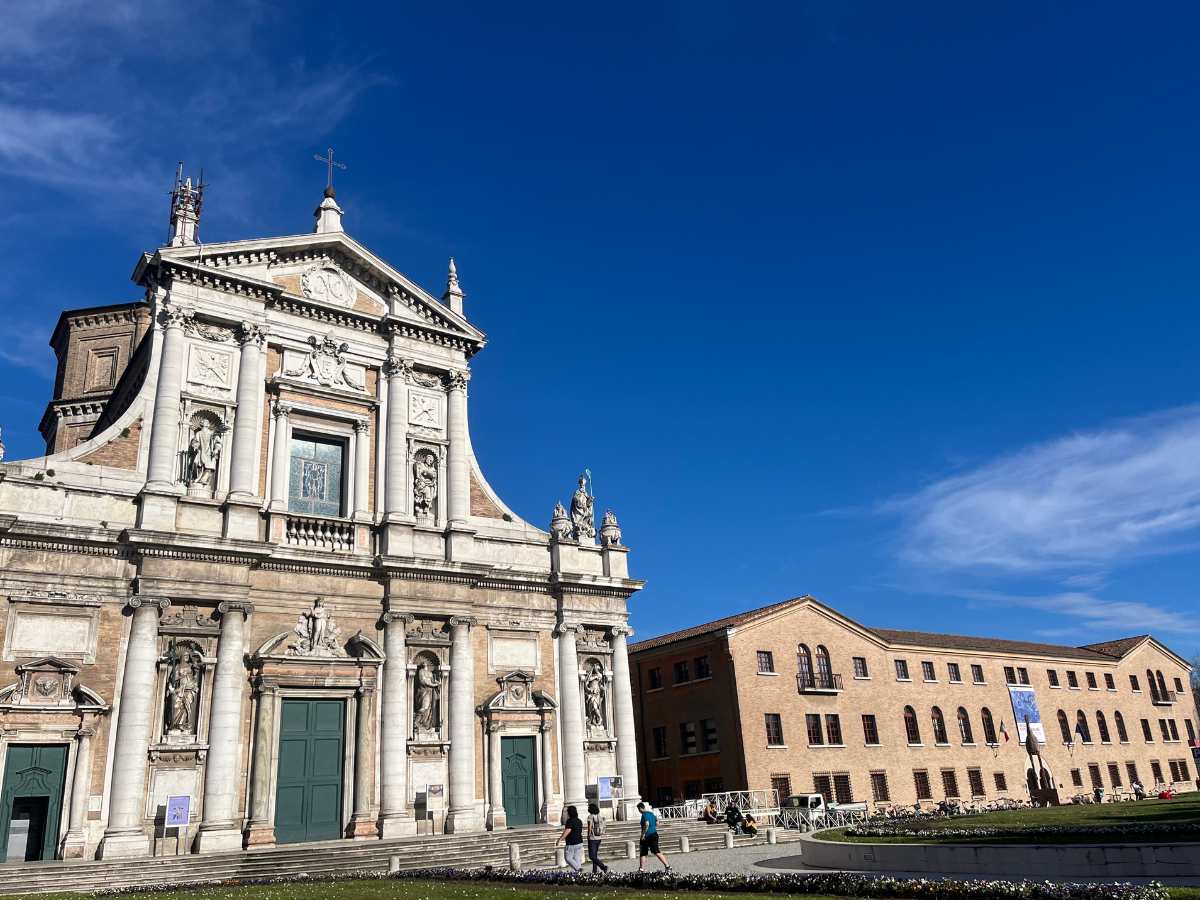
(261, 579)
(798, 697)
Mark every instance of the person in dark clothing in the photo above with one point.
(595, 833)
(733, 816)
(572, 835)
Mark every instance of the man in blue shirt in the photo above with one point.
(649, 841)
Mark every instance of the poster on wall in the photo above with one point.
(1025, 710)
(610, 786)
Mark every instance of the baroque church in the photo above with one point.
(260, 590)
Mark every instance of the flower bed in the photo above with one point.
(831, 884)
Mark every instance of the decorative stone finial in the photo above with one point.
(328, 215)
(610, 531)
(186, 200)
(560, 524)
(454, 295)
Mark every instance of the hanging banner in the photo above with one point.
(1025, 713)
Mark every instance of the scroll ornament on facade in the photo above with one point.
(318, 633)
(610, 531)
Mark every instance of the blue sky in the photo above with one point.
(894, 304)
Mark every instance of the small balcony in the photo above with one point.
(1160, 698)
(817, 683)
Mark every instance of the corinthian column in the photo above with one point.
(397, 371)
(365, 821)
(76, 840)
(280, 456)
(570, 708)
(623, 722)
(164, 430)
(126, 834)
(458, 468)
(260, 830)
(220, 828)
(463, 814)
(394, 816)
(497, 817)
(246, 423)
(362, 471)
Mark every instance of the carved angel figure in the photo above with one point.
(425, 478)
(183, 689)
(582, 512)
(318, 632)
(204, 449)
(425, 698)
(593, 696)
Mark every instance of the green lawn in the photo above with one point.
(402, 890)
(1182, 810)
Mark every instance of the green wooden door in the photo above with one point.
(308, 799)
(518, 768)
(31, 801)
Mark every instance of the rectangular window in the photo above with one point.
(879, 787)
(1156, 771)
(977, 673)
(1023, 676)
(1146, 732)
(1131, 771)
(1001, 781)
(774, 730)
(1052, 674)
(955, 674)
(902, 670)
(833, 728)
(766, 662)
(927, 671)
(691, 790)
(654, 676)
(708, 734)
(812, 723)
(1091, 681)
(714, 785)
(823, 785)
(782, 786)
(950, 783)
(1183, 771)
(1077, 778)
(870, 731)
(921, 782)
(316, 474)
(682, 675)
(842, 792)
(1162, 727)
(1173, 765)
(860, 667)
(1094, 775)
(687, 738)
(1178, 686)
(1072, 680)
(703, 669)
(975, 781)
(1010, 675)
(1109, 683)
(1114, 775)
(664, 796)
(1174, 729)
(660, 741)
(1191, 730)
(1133, 684)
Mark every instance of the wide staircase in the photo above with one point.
(537, 849)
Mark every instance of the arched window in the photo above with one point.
(989, 727)
(1153, 685)
(939, 727)
(804, 663)
(1081, 727)
(1065, 727)
(1122, 734)
(1102, 727)
(964, 727)
(824, 670)
(1163, 693)
(911, 728)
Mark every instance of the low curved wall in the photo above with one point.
(1065, 861)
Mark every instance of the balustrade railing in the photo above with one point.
(818, 683)
(320, 534)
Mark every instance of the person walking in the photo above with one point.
(595, 833)
(649, 841)
(572, 835)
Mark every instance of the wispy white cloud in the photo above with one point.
(1091, 614)
(1076, 505)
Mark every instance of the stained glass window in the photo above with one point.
(315, 475)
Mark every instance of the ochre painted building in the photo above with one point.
(260, 581)
(797, 697)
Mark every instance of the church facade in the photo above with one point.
(259, 590)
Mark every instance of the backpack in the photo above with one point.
(597, 823)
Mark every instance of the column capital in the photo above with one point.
(280, 410)
(402, 617)
(456, 379)
(567, 628)
(621, 631)
(361, 426)
(469, 621)
(245, 607)
(175, 316)
(138, 601)
(85, 733)
(397, 367)
(365, 691)
(251, 333)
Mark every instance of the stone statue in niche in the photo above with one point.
(560, 525)
(203, 452)
(425, 698)
(583, 515)
(183, 690)
(318, 633)
(425, 482)
(610, 531)
(593, 695)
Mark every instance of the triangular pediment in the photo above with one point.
(332, 271)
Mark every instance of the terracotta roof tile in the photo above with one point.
(987, 645)
(1119, 647)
